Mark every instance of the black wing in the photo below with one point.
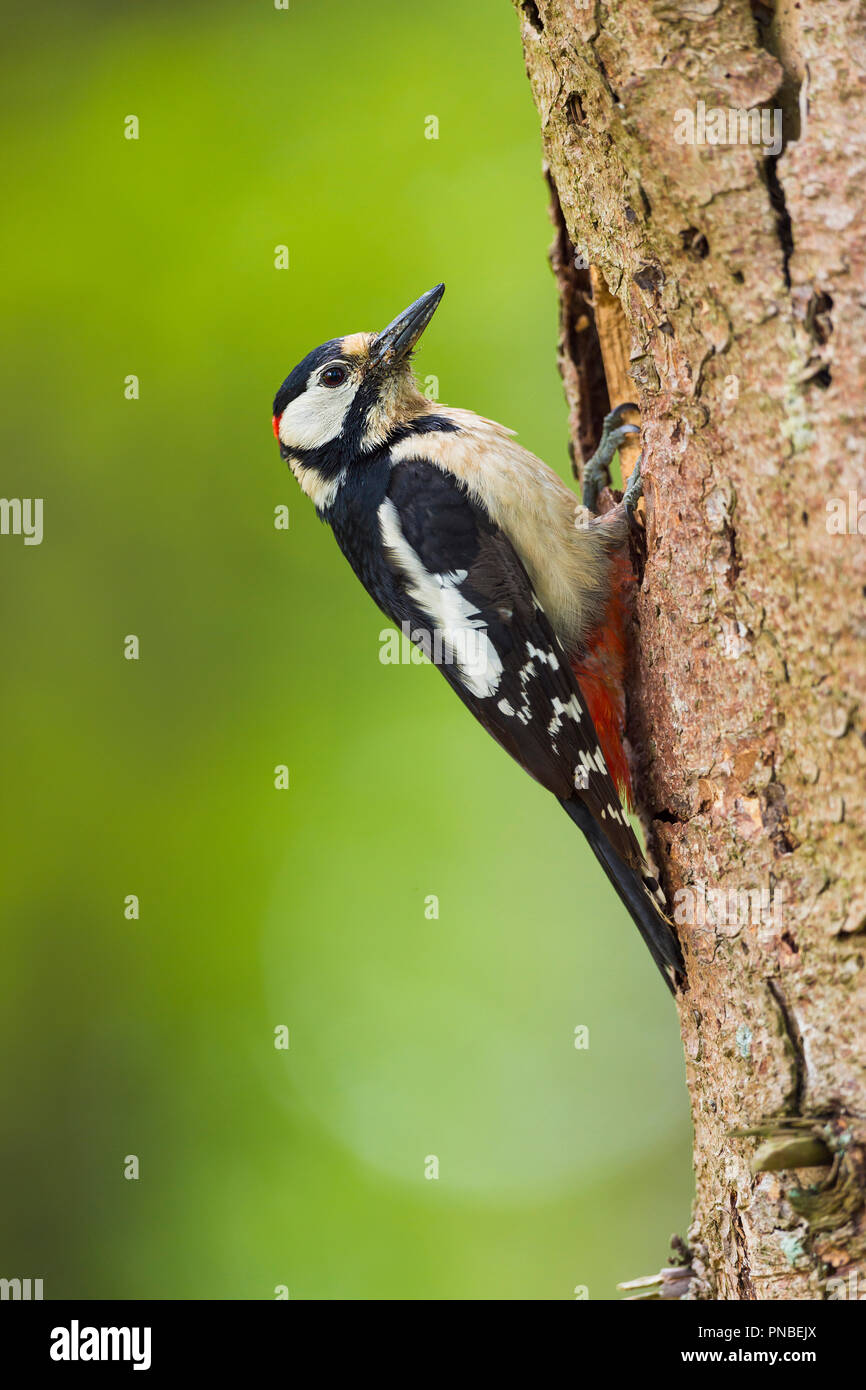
(453, 570)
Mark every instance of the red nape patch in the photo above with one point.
(275, 421)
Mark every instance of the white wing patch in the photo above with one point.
(560, 710)
(465, 638)
(592, 764)
(550, 658)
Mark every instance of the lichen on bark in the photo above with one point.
(736, 275)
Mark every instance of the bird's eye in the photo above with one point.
(334, 376)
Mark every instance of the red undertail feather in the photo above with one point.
(600, 670)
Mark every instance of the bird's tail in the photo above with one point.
(638, 893)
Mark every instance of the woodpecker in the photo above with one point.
(482, 553)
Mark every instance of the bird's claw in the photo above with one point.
(633, 488)
(596, 473)
(614, 417)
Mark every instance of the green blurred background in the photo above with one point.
(410, 1037)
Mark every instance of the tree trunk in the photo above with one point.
(723, 287)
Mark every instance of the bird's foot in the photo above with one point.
(596, 473)
(633, 488)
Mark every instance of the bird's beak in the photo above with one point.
(396, 341)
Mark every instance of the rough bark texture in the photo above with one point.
(738, 284)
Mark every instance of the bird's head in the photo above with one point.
(348, 397)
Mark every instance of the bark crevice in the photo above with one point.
(580, 357)
(794, 1037)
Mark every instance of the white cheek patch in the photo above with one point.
(316, 416)
(465, 638)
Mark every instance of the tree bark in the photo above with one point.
(731, 282)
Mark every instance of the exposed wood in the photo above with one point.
(614, 339)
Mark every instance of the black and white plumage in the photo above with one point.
(483, 553)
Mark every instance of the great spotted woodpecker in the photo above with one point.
(487, 558)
